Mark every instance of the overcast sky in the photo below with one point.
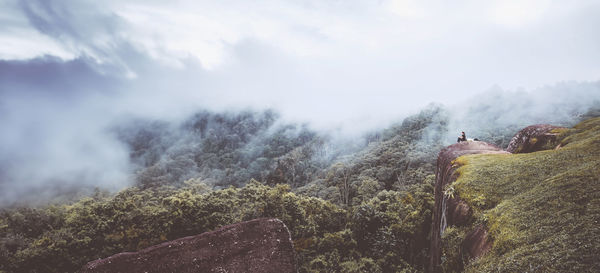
(71, 68)
(310, 58)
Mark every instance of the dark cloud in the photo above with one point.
(88, 29)
(51, 17)
(51, 76)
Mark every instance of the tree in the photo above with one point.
(339, 175)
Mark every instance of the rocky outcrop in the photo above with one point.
(449, 209)
(534, 138)
(261, 245)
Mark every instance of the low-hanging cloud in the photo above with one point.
(55, 135)
(346, 67)
(497, 114)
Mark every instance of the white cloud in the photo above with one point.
(409, 9)
(409, 52)
(514, 13)
(18, 40)
(25, 44)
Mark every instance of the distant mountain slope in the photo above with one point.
(223, 149)
(542, 209)
(395, 159)
(230, 149)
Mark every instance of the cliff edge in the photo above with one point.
(449, 208)
(537, 210)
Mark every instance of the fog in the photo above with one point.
(499, 111)
(72, 71)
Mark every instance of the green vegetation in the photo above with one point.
(452, 240)
(228, 149)
(542, 209)
(395, 159)
(224, 149)
(368, 211)
(378, 236)
(365, 210)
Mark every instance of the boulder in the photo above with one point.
(534, 138)
(260, 245)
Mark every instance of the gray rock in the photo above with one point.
(260, 245)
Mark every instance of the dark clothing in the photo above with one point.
(463, 137)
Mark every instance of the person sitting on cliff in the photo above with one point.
(462, 137)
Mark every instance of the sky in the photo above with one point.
(70, 69)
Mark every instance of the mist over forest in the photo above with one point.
(229, 148)
(352, 204)
(79, 82)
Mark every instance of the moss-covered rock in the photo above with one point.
(535, 138)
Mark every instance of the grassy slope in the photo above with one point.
(542, 209)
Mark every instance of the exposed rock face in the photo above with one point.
(450, 210)
(457, 211)
(261, 245)
(533, 138)
(477, 242)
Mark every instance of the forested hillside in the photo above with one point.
(221, 149)
(366, 207)
(226, 149)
